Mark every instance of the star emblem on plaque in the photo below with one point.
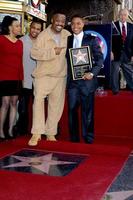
(81, 62)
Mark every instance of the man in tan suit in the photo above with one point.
(49, 78)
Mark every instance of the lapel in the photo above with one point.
(118, 27)
(70, 41)
(85, 40)
(128, 29)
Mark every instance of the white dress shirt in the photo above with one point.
(77, 42)
(125, 24)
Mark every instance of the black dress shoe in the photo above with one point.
(75, 139)
(89, 142)
(89, 139)
(2, 138)
(115, 93)
(10, 136)
(19, 131)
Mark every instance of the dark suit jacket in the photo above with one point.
(117, 44)
(97, 56)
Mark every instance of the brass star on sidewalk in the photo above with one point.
(42, 163)
(121, 195)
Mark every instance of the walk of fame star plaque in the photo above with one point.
(81, 61)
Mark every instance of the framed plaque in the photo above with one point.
(81, 61)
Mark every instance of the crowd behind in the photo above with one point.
(37, 67)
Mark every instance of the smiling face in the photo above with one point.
(35, 29)
(77, 25)
(58, 22)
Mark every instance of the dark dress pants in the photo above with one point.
(127, 71)
(115, 69)
(77, 96)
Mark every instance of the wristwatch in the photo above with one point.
(91, 74)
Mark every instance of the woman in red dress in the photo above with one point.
(11, 72)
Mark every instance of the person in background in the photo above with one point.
(11, 71)
(122, 52)
(29, 64)
(50, 78)
(82, 91)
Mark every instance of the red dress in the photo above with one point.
(11, 66)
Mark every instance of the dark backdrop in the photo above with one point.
(82, 7)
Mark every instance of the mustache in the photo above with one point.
(60, 25)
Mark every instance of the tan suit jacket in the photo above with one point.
(48, 63)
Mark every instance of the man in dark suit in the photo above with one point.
(82, 90)
(122, 52)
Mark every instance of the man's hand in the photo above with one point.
(132, 59)
(88, 76)
(58, 50)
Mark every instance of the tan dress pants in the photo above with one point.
(54, 89)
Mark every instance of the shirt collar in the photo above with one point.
(125, 23)
(79, 36)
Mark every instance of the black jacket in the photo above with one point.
(97, 60)
(118, 46)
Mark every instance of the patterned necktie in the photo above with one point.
(123, 33)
